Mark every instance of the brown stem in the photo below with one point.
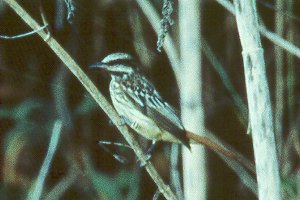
(219, 149)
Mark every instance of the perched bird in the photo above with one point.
(138, 102)
(142, 108)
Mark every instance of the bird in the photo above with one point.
(142, 108)
(138, 103)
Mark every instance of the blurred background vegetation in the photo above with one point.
(36, 89)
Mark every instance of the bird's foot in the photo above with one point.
(148, 154)
(145, 162)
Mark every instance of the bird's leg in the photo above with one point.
(126, 121)
(151, 148)
(148, 153)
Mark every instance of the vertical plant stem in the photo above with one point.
(194, 161)
(279, 85)
(259, 102)
(170, 49)
(174, 172)
(291, 69)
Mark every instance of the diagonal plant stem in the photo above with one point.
(36, 193)
(99, 98)
(238, 101)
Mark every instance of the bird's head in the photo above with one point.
(116, 64)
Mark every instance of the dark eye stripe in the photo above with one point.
(126, 62)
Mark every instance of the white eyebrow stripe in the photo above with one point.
(117, 57)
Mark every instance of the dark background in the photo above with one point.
(36, 89)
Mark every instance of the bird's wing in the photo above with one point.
(147, 100)
(137, 100)
(165, 117)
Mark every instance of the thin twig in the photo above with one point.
(99, 98)
(238, 101)
(44, 18)
(23, 34)
(280, 80)
(291, 73)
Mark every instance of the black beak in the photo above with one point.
(98, 65)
